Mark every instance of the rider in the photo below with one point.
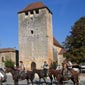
(45, 68)
(21, 67)
(67, 66)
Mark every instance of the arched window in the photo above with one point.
(2, 59)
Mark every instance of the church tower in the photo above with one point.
(35, 35)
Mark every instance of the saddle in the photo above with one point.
(22, 74)
(66, 73)
(45, 72)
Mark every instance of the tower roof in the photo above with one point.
(32, 6)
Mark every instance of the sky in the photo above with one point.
(65, 14)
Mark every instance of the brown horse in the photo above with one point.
(29, 75)
(60, 78)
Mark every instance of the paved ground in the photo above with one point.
(36, 81)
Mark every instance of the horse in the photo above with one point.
(41, 73)
(60, 78)
(29, 75)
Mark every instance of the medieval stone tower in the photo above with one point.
(35, 34)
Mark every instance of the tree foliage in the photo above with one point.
(75, 42)
(9, 63)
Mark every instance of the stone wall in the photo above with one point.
(8, 53)
(35, 37)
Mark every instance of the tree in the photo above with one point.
(75, 42)
(9, 63)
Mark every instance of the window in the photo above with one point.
(31, 18)
(31, 31)
(31, 12)
(26, 13)
(37, 11)
(2, 59)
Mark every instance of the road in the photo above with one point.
(36, 81)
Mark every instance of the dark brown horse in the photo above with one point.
(29, 75)
(60, 78)
(41, 74)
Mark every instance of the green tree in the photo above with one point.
(9, 63)
(75, 42)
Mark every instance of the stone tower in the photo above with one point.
(35, 34)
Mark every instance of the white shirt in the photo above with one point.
(69, 63)
(1, 75)
(59, 67)
(45, 66)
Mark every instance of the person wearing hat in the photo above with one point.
(67, 67)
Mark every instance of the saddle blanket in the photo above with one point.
(76, 69)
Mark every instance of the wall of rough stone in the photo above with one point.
(35, 37)
(8, 55)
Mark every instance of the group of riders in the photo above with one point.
(65, 67)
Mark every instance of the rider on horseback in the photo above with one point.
(21, 68)
(45, 68)
(67, 66)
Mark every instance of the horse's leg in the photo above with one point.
(39, 81)
(60, 80)
(27, 81)
(45, 80)
(0, 81)
(58, 83)
(51, 78)
(31, 81)
(75, 80)
(72, 78)
(15, 82)
(54, 77)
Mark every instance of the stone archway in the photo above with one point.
(33, 65)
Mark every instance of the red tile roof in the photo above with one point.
(56, 43)
(36, 5)
(62, 51)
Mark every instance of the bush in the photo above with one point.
(9, 63)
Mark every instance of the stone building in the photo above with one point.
(36, 42)
(8, 53)
(58, 52)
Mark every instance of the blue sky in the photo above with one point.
(65, 14)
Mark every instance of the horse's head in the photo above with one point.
(8, 69)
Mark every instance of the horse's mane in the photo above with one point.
(13, 68)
